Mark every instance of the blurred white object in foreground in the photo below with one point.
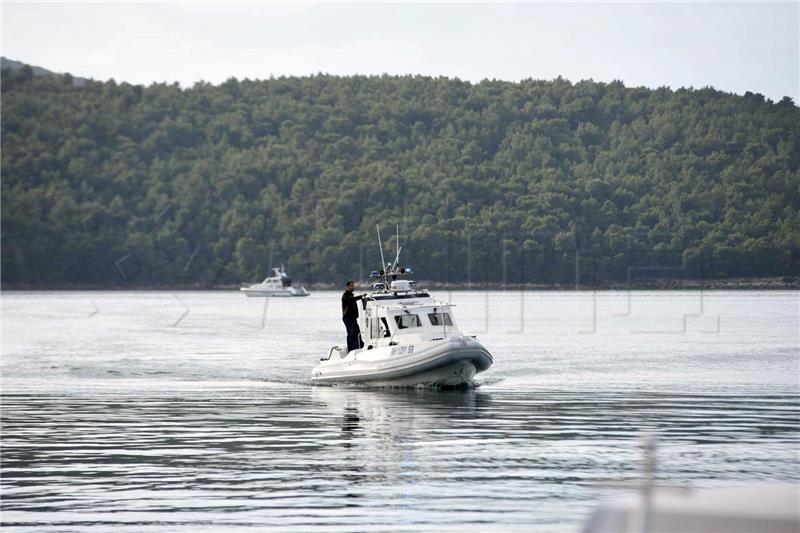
(754, 508)
(750, 509)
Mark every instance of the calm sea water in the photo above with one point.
(159, 411)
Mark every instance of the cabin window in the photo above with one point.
(439, 319)
(407, 321)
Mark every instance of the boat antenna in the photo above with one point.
(380, 245)
(397, 259)
(398, 248)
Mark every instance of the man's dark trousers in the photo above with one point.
(353, 343)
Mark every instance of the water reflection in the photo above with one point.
(382, 431)
(383, 407)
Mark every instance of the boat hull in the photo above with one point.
(457, 374)
(450, 363)
(263, 293)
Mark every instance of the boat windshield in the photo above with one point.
(408, 321)
(438, 319)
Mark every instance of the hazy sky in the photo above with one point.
(735, 47)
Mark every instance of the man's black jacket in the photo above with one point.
(349, 305)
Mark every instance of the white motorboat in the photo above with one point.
(278, 285)
(409, 339)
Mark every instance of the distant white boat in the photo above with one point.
(278, 285)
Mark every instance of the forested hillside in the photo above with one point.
(113, 184)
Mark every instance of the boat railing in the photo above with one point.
(336, 348)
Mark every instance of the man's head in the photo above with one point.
(350, 286)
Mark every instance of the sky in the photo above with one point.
(734, 47)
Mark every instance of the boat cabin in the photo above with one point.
(279, 279)
(401, 312)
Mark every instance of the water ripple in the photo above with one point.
(312, 458)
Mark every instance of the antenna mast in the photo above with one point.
(380, 245)
(389, 270)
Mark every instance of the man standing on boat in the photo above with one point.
(350, 316)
